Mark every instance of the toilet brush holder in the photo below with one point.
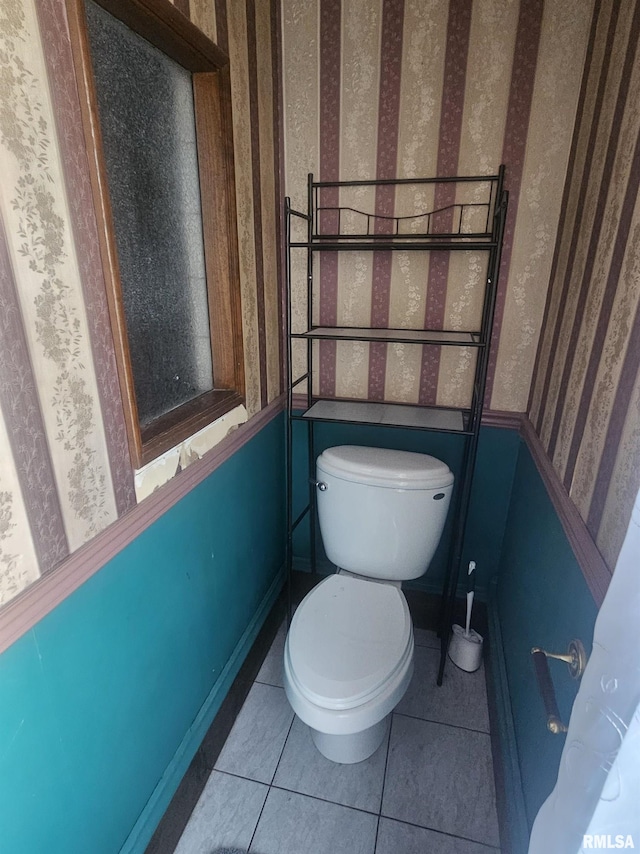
(465, 650)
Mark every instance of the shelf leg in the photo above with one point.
(312, 498)
(447, 603)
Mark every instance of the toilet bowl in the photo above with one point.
(348, 661)
(348, 656)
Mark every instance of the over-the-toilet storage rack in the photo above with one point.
(451, 228)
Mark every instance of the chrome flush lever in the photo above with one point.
(319, 484)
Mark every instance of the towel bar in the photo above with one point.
(576, 661)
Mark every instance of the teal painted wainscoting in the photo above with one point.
(105, 701)
(542, 600)
(496, 462)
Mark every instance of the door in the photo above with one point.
(596, 799)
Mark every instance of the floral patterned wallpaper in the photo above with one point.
(43, 293)
(65, 472)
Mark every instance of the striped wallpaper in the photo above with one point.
(374, 88)
(585, 398)
(407, 88)
(65, 471)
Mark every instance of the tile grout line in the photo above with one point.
(324, 800)
(379, 815)
(264, 803)
(270, 684)
(441, 723)
(441, 832)
(384, 780)
(284, 744)
(386, 764)
(273, 776)
(375, 841)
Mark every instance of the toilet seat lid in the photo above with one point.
(347, 639)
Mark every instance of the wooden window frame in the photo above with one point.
(160, 23)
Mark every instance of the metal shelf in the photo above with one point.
(402, 243)
(435, 418)
(333, 224)
(393, 336)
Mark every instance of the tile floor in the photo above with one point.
(428, 788)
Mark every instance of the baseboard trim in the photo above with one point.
(596, 572)
(157, 804)
(512, 816)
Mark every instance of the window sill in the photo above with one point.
(170, 463)
(169, 430)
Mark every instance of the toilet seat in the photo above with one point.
(348, 640)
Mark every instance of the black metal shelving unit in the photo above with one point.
(453, 228)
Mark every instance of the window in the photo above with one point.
(158, 126)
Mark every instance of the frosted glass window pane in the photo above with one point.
(145, 101)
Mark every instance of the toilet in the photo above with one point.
(348, 656)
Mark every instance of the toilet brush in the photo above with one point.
(465, 647)
(471, 586)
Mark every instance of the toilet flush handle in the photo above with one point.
(321, 485)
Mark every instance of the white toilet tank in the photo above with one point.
(381, 511)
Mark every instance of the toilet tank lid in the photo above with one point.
(385, 467)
